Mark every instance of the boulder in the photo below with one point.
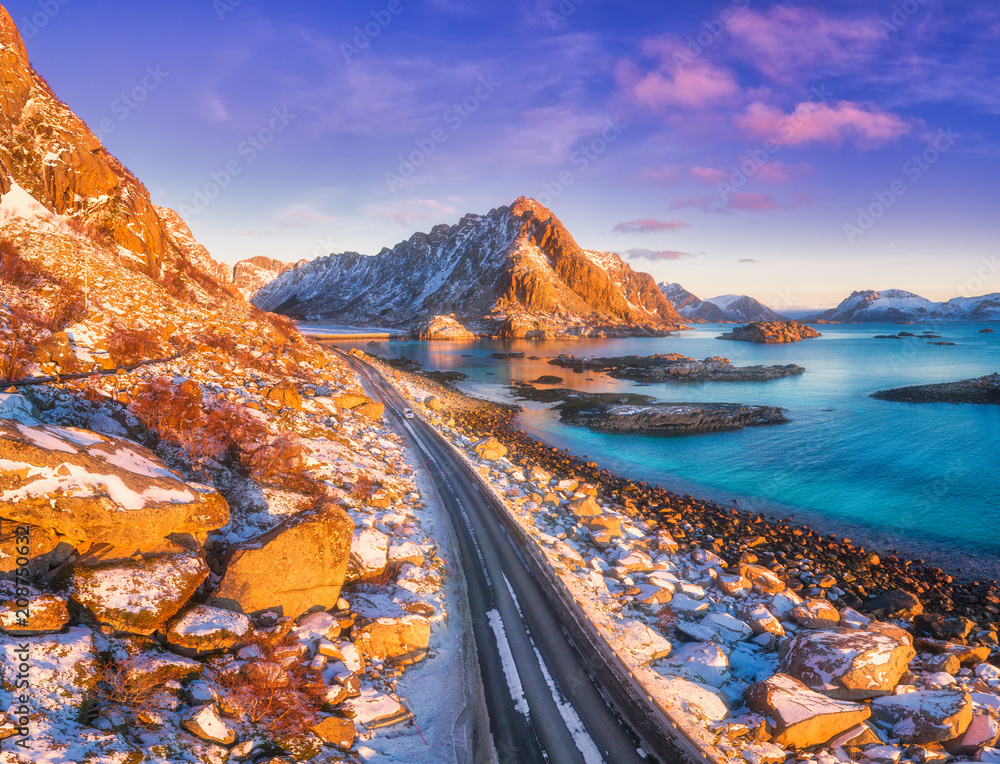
(703, 662)
(138, 596)
(350, 401)
(725, 628)
(372, 411)
(203, 629)
(374, 710)
(64, 669)
(402, 551)
(95, 489)
(849, 664)
(491, 449)
(762, 580)
(816, 614)
(369, 553)
(206, 723)
(34, 614)
(983, 730)
(641, 641)
(299, 565)
(895, 603)
(586, 507)
(944, 627)
(433, 403)
(802, 717)
(400, 639)
(286, 396)
(927, 716)
(339, 733)
(762, 621)
(443, 328)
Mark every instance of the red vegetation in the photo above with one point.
(66, 304)
(128, 346)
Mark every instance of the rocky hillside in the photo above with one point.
(898, 306)
(515, 271)
(771, 333)
(249, 275)
(723, 309)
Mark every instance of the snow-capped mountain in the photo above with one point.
(249, 275)
(896, 305)
(723, 309)
(515, 271)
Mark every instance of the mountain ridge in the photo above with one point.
(898, 305)
(723, 309)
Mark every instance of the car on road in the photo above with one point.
(408, 413)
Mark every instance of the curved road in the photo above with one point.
(544, 705)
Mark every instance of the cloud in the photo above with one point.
(810, 122)
(787, 42)
(649, 226)
(674, 80)
(708, 174)
(417, 211)
(298, 218)
(656, 254)
(666, 172)
(747, 260)
(739, 201)
(752, 202)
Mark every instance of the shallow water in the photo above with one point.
(920, 478)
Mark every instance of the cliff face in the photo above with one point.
(50, 152)
(249, 275)
(517, 262)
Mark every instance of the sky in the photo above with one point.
(793, 151)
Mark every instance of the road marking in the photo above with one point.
(509, 667)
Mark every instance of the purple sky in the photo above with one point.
(730, 146)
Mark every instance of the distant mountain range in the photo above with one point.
(513, 272)
(724, 309)
(896, 306)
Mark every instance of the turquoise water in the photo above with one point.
(918, 478)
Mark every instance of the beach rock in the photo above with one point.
(968, 655)
(433, 403)
(641, 641)
(848, 664)
(857, 737)
(203, 629)
(96, 490)
(882, 754)
(339, 733)
(816, 614)
(402, 551)
(700, 662)
(374, 710)
(34, 614)
(205, 723)
(983, 730)
(943, 626)
(586, 507)
(801, 716)
(299, 565)
(491, 449)
(443, 328)
(734, 586)
(137, 596)
(784, 603)
(927, 716)
(350, 401)
(895, 603)
(762, 580)
(400, 639)
(762, 621)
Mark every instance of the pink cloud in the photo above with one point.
(866, 126)
(785, 42)
(747, 260)
(751, 202)
(649, 226)
(667, 172)
(703, 203)
(656, 254)
(669, 85)
(740, 201)
(708, 174)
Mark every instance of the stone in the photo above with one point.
(816, 614)
(703, 662)
(95, 489)
(339, 733)
(403, 640)
(784, 603)
(490, 449)
(373, 411)
(762, 580)
(725, 628)
(586, 507)
(895, 603)
(204, 629)
(369, 553)
(641, 641)
(848, 664)
(405, 551)
(858, 737)
(983, 731)
(944, 627)
(299, 565)
(968, 655)
(762, 621)
(734, 586)
(46, 550)
(64, 669)
(350, 401)
(375, 710)
(946, 662)
(801, 716)
(433, 403)
(205, 722)
(137, 596)
(286, 396)
(882, 754)
(926, 716)
(34, 614)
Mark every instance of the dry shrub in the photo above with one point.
(280, 463)
(18, 271)
(102, 235)
(364, 487)
(123, 687)
(67, 303)
(376, 583)
(666, 619)
(128, 346)
(276, 692)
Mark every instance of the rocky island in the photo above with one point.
(981, 390)
(662, 367)
(771, 333)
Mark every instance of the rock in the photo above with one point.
(46, 550)
(203, 629)
(725, 628)
(983, 730)
(369, 553)
(703, 662)
(286, 396)
(641, 641)
(802, 717)
(816, 614)
(858, 737)
(95, 489)
(350, 401)
(882, 754)
(944, 627)
(374, 710)
(683, 603)
(848, 664)
(372, 411)
(138, 596)
(34, 614)
(64, 669)
(968, 655)
(586, 507)
(402, 640)
(895, 603)
(443, 328)
(433, 403)
(762, 580)
(405, 551)
(927, 716)
(784, 603)
(734, 586)
(299, 565)
(945, 662)
(339, 733)
(771, 332)
(762, 621)
(491, 449)
(204, 722)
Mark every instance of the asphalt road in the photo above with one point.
(544, 703)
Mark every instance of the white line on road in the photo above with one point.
(509, 667)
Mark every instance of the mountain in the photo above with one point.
(249, 275)
(897, 306)
(515, 271)
(724, 309)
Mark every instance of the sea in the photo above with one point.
(920, 480)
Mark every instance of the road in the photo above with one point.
(544, 702)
